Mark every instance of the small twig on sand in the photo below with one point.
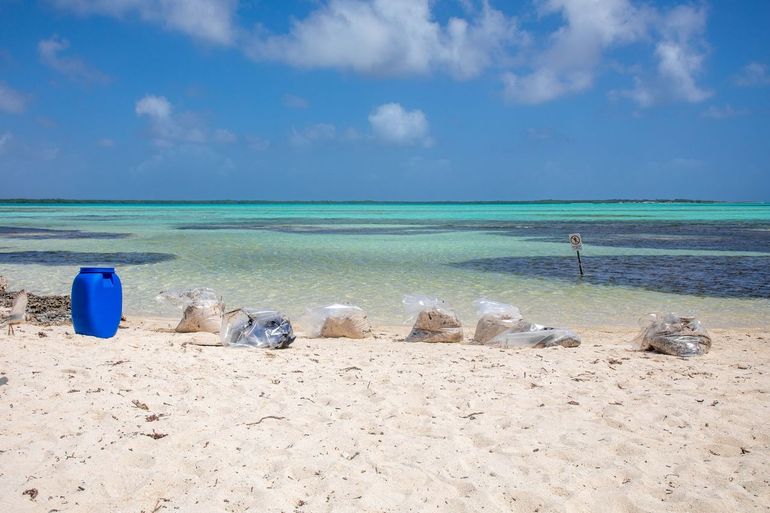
(350, 369)
(265, 418)
(158, 505)
(113, 364)
(472, 416)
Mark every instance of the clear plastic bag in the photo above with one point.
(416, 303)
(673, 335)
(184, 298)
(537, 337)
(338, 320)
(249, 327)
(434, 320)
(202, 309)
(502, 310)
(494, 318)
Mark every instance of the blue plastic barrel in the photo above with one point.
(97, 302)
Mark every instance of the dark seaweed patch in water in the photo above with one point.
(715, 276)
(713, 236)
(82, 258)
(358, 230)
(17, 232)
(325, 227)
(710, 236)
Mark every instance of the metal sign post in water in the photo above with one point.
(576, 241)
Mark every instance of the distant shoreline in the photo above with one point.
(53, 201)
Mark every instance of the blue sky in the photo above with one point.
(389, 100)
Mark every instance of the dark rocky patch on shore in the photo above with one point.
(42, 310)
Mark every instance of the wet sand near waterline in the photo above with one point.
(152, 421)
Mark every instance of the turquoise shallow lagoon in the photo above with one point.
(710, 259)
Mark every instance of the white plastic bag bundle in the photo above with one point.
(434, 320)
(673, 335)
(202, 309)
(494, 318)
(337, 320)
(250, 327)
(537, 337)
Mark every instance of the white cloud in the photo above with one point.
(640, 93)
(568, 64)
(544, 85)
(106, 142)
(542, 135)
(156, 107)
(196, 160)
(49, 152)
(421, 164)
(404, 37)
(17, 149)
(222, 135)
(318, 132)
(393, 124)
(680, 53)
(50, 51)
(295, 102)
(684, 163)
(573, 56)
(208, 20)
(677, 165)
(166, 127)
(389, 37)
(11, 100)
(725, 112)
(5, 141)
(351, 134)
(753, 74)
(257, 143)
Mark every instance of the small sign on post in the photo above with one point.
(576, 241)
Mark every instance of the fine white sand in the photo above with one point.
(379, 425)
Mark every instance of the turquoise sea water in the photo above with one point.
(709, 259)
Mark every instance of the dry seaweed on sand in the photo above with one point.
(140, 405)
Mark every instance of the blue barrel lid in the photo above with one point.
(97, 269)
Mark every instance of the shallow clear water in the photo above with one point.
(709, 259)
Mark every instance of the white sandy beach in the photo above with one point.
(378, 425)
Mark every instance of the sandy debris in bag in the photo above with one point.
(436, 325)
(347, 325)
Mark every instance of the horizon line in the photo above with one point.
(368, 201)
